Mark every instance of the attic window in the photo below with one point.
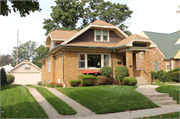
(101, 35)
(139, 45)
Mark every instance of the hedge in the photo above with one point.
(52, 84)
(10, 78)
(101, 80)
(120, 73)
(88, 80)
(106, 71)
(175, 76)
(153, 75)
(129, 81)
(74, 83)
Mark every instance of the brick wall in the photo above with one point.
(155, 56)
(176, 63)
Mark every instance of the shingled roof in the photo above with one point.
(165, 42)
(61, 34)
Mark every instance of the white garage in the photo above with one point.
(26, 73)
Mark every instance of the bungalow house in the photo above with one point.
(166, 56)
(73, 53)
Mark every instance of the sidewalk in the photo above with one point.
(84, 113)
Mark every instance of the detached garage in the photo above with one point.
(26, 73)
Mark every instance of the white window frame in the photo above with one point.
(141, 55)
(101, 36)
(102, 60)
(81, 61)
(167, 64)
(49, 65)
(106, 61)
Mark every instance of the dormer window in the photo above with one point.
(101, 35)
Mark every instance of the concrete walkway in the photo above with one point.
(84, 113)
(50, 111)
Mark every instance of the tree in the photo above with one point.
(24, 7)
(5, 59)
(66, 14)
(26, 51)
(3, 77)
(41, 51)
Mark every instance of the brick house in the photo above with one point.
(166, 56)
(73, 53)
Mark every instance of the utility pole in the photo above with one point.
(17, 47)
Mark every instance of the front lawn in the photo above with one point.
(108, 98)
(173, 91)
(60, 106)
(17, 102)
(174, 115)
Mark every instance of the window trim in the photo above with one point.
(141, 57)
(101, 39)
(102, 60)
(84, 59)
(167, 63)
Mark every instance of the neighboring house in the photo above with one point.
(26, 73)
(166, 56)
(74, 53)
(7, 68)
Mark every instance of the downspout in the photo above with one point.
(112, 62)
(62, 65)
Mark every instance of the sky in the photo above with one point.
(148, 15)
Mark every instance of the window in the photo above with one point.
(101, 35)
(82, 60)
(167, 65)
(106, 60)
(49, 65)
(93, 61)
(141, 55)
(98, 35)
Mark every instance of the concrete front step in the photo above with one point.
(161, 99)
(157, 95)
(141, 80)
(162, 103)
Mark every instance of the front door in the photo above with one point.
(124, 60)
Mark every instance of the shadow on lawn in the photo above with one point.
(23, 110)
(9, 86)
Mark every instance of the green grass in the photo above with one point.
(108, 98)
(60, 106)
(173, 91)
(17, 102)
(174, 115)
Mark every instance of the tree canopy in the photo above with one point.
(41, 51)
(68, 14)
(5, 59)
(24, 7)
(26, 51)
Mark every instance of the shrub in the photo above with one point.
(88, 80)
(101, 80)
(175, 76)
(160, 74)
(129, 81)
(39, 83)
(166, 77)
(74, 83)
(157, 82)
(52, 84)
(10, 78)
(153, 75)
(3, 77)
(176, 69)
(106, 71)
(80, 77)
(120, 73)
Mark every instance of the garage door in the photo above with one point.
(26, 78)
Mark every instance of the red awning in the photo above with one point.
(90, 71)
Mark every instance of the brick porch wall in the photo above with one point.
(155, 56)
(176, 63)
